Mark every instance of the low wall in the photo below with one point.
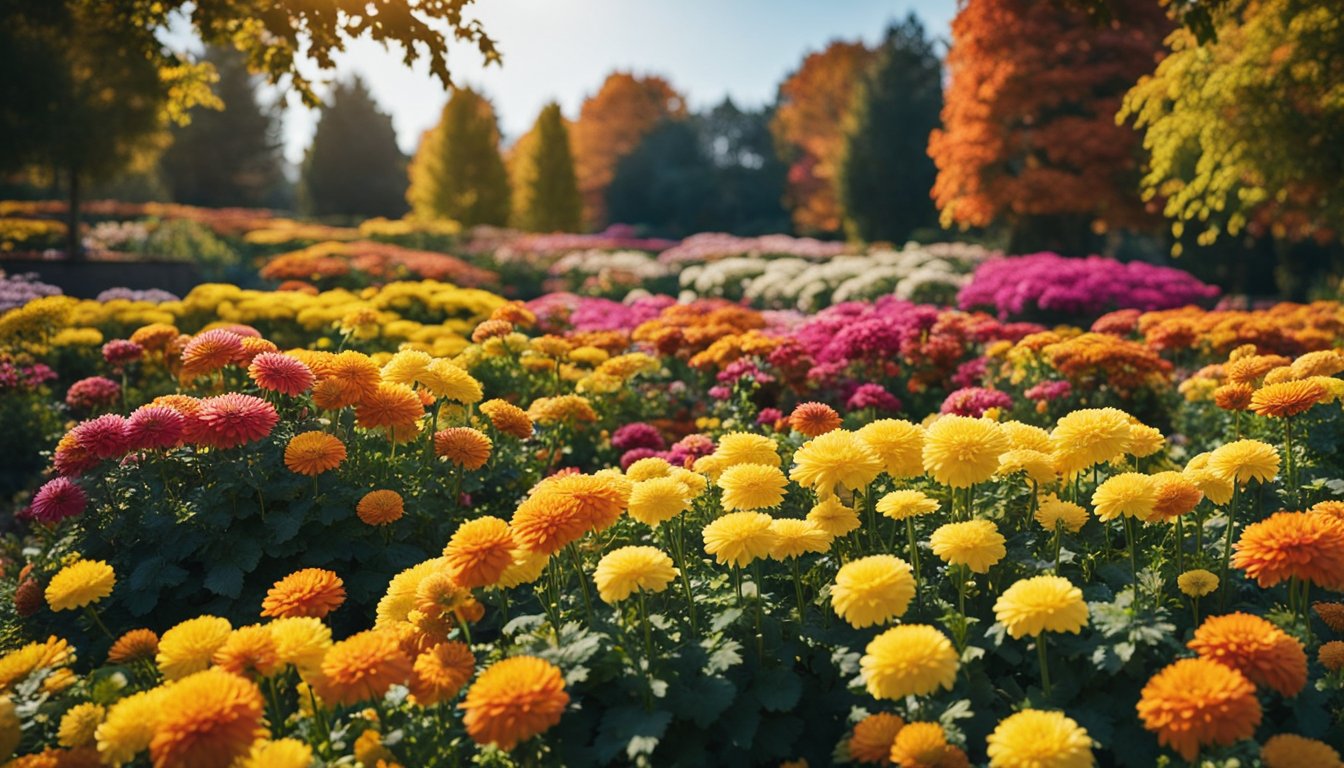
(85, 280)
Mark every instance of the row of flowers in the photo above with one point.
(566, 534)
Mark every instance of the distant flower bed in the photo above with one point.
(366, 262)
(17, 290)
(712, 246)
(1046, 284)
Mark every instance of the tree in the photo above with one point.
(749, 175)
(353, 167)
(229, 156)
(813, 102)
(541, 169)
(611, 124)
(457, 172)
(667, 184)
(101, 79)
(1029, 137)
(885, 170)
(1245, 130)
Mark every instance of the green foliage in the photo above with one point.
(1243, 128)
(354, 166)
(885, 170)
(229, 156)
(183, 240)
(457, 172)
(546, 190)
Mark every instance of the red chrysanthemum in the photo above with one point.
(1259, 650)
(232, 420)
(155, 426)
(57, 500)
(71, 459)
(1285, 545)
(210, 351)
(104, 437)
(281, 373)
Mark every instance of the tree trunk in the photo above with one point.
(74, 247)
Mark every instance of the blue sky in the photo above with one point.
(562, 49)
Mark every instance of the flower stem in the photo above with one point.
(583, 582)
(1045, 663)
(1227, 543)
(914, 554)
(798, 589)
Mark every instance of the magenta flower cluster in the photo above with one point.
(92, 393)
(974, 401)
(1047, 284)
(23, 377)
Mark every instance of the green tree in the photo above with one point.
(229, 156)
(1245, 129)
(101, 78)
(545, 187)
(457, 172)
(885, 171)
(667, 185)
(354, 166)
(750, 177)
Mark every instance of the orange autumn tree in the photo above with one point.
(611, 124)
(1029, 137)
(809, 129)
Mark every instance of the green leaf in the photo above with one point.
(725, 657)
(632, 730)
(225, 579)
(702, 699)
(778, 689)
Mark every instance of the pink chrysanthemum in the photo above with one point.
(57, 500)
(210, 351)
(974, 401)
(281, 373)
(155, 426)
(71, 459)
(92, 393)
(874, 396)
(232, 420)
(119, 352)
(104, 437)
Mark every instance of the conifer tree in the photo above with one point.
(354, 166)
(457, 172)
(545, 188)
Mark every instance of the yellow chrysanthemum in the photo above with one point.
(1197, 583)
(622, 571)
(79, 725)
(648, 468)
(190, 646)
(301, 640)
(280, 753)
(1090, 436)
(904, 504)
(1214, 487)
(1039, 467)
(738, 538)
(1034, 738)
(1027, 437)
(976, 544)
(1129, 493)
(752, 486)
(129, 726)
(1054, 511)
(81, 583)
(1144, 440)
(838, 458)
(745, 448)
(909, 660)
(793, 537)
(658, 499)
(961, 451)
(832, 516)
(1041, 604)
(899, 444)
(1242, 461)
(872, 590)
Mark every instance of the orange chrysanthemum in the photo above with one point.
(1197, 702)
(1233, 397)
(362, 667)
(508, 418)
(514, 700)
(210, 351)
(309, 592)
(1307, 546)
(440, 672)
(355, 374)
(924, 745)
(1176, 495)
(1331, 655)
(466, 447)
(1259, 650)
(380, 507)
(1331, 613)
(1247, 369)
(814, 419)
(873, 737)
(545, 522)
(1331, 508)
(207, 720)
(133, 646)
(312, 453)
(393, 406)
(479, 552)
(1287, 398)
(250, 652)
